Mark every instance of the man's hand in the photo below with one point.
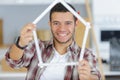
(26, 34)
(84, 70)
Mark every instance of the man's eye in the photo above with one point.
(55, 23)
(68, 23)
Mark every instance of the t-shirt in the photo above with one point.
(56, 72)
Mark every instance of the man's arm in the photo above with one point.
(15, 52)
(26, 35)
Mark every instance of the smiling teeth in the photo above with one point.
(62, 35)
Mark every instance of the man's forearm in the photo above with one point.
(16, 53)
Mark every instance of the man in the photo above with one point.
(61, 48)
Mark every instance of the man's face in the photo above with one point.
(62, 27)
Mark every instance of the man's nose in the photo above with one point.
(62, 27)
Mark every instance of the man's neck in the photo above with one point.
(62, 48)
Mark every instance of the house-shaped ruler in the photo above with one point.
(87, 24)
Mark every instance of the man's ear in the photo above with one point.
(49, 23)
(77, 21)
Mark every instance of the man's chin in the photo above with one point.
(63, 42)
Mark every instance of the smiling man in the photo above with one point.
(63, 29)
(61, 48)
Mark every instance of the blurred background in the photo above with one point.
(14, 14)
